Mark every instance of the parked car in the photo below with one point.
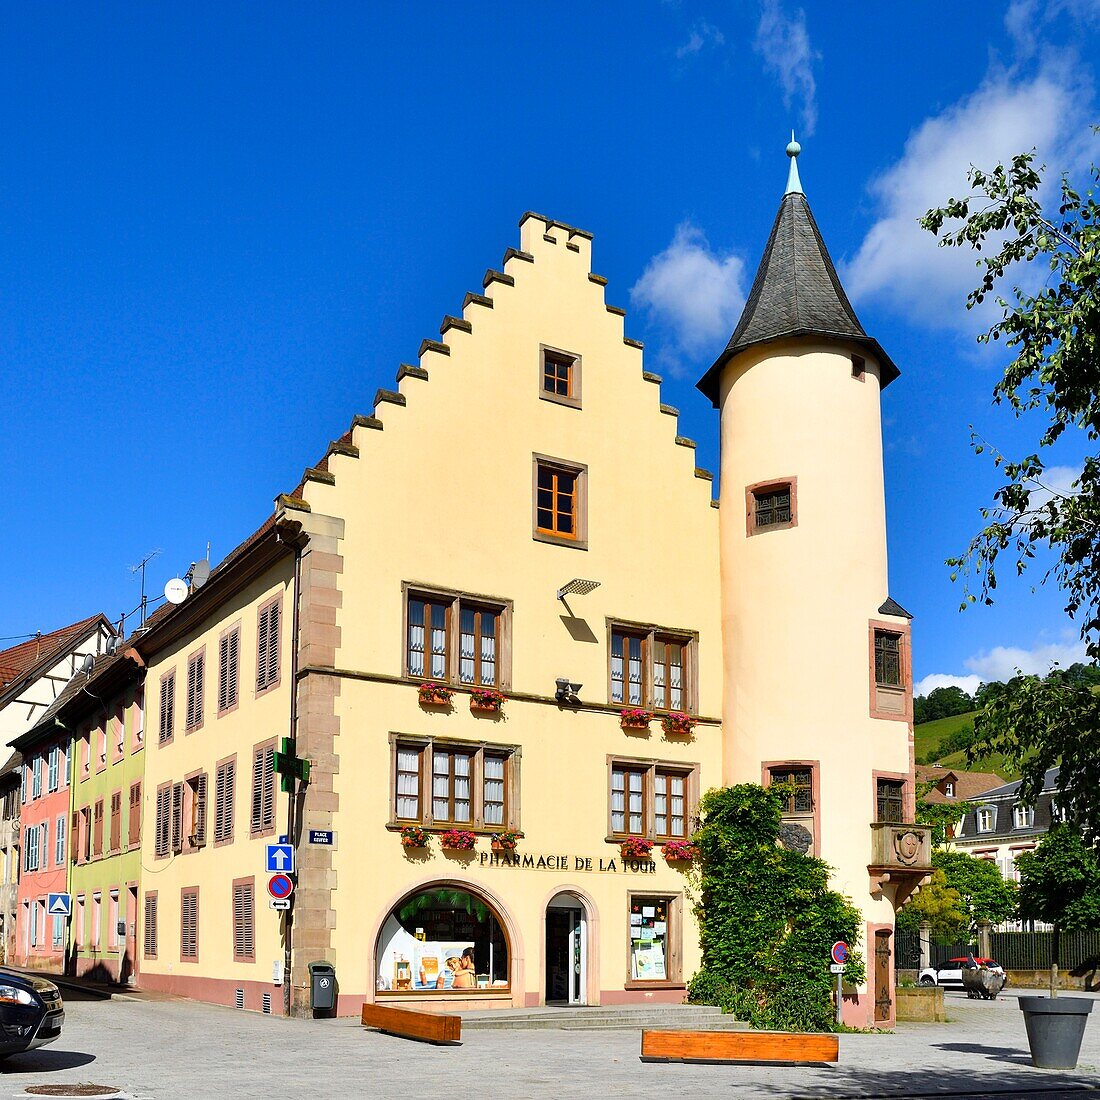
(31, 1012)
(950, 973)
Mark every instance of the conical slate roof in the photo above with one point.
(796, 292)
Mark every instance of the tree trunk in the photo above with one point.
(1055, 942)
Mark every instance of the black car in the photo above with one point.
(31, 1012)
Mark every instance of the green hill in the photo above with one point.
(929, 736)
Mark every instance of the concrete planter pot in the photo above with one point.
(1055, 1028)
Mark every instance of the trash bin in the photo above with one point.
(322, 987)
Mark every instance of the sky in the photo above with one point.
(223, 226)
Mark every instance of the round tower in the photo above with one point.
(817, 663)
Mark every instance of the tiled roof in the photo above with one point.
(796, 292)
(1002, 800)
(967, 784)
(17, 662)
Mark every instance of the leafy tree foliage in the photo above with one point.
(941, 906)
(944, 702)
(940, 815)
(767, 917)
(982, 889)
(1054, 336)
(1038, 724)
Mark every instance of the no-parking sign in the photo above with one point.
(840, 952)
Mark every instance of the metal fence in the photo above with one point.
(1013, 950)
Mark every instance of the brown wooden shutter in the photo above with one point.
(167, 704)
(116, 821)
(273, 644)
(189, 924)
(134, 833)
(199, 796)
(97, 830)
(163, 826)
(223, 800)
(263, 647)
(177, 817)
(150, 926)
(269, 789)
(257, 789)
(244, 921)
(263, 789)
(74, 844)
(195, 669)
(232, 679)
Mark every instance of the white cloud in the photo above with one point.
(702, 34)
(969, 684)
(784, 43)
(694, 293)
(901, 263)
(1055, 481)
(1002, 662)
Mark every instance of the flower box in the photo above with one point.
(505, 841)
(413, 836)
(633, 718)
(457, 840)
(678, 724)
(434, 695)
(486, 700)
(636, 847)
(679, 851)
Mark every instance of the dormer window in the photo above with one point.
(1023, 817)
(949, 789)
(984, 819)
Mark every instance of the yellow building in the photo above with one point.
(500, 622)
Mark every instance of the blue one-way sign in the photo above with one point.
(280, 857)
(59, 905)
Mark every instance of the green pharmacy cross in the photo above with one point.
(289, 766)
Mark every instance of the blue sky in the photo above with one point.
(226, 223)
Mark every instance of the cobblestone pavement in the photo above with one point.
(174, 1048)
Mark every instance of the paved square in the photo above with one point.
(167, 1048)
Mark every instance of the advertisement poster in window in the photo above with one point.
(648, 941)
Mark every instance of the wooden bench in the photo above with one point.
(411, 1023)
(749, 1047)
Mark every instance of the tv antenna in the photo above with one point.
(140, 568)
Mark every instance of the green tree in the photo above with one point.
(943, 702)
(1054, 376)
(938, 904)
(1060, 884)
(940, 815)
(982, 890)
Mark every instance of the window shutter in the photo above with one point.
(268, 819)
(116, 821)
(135, 814)
(223, 801)
(167, 700)
(177, 817)
(244, 920)
(163, 825)
(59, 842)
(223, 673)
(233, 654)
(273, 645)
(263, 647)
(150, 926)
(189, 925)
(97, 830)
(74, 848)
(200, 810)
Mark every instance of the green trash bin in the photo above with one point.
(322, 987)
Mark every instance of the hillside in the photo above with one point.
(929, 736)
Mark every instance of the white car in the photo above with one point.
(950, 973)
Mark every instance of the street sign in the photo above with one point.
(836, 968)
(322, 836)
(840, 952)
(280, 887)
(280, 857)
(282, 904)
(59, 905)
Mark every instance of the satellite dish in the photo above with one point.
(175, 591)
(112, 645)
(200, 573)
(87, 664)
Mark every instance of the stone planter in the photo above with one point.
(920, 1004)
(1055, 1028)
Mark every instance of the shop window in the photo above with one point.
(651, 799)
(654, 939)
(449, 783)
(650, 667)
(455, 638)
(442, 940)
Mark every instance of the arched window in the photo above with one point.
(442, 939)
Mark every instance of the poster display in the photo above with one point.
(649, 941)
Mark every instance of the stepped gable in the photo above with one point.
(796, 292)
(434, 353)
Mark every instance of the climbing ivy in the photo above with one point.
(767, 917)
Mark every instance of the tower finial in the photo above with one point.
(794, 184)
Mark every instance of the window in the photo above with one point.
(891, 800)
(23, 771)
(1023, 817)
(85, 834)
(859, 368)
(471, 655)
(167, 705)
(67, 758)
(118, 726)
(244, 920)
(97, 829)
(263, 789)
(150, 934)
(195, 666)
(887, 659)
(177, 817)
(195, 810)
(475, 786)
(97, 906)
(984, 819)
(34, 923)
(52, 770)
(80, 932)
(85, 754)
(651, 799)
(459, 944)
(651, 667)
(189, 924)
(798, 798)
(163, 828)
(560, 377)
(138, 719)
(771, 506)
(133, 834)
(59, 841)
(225, 778)
(30, 848)
(112, 921)
(556, 501)
(654, 937)
(267, 645)
(949, 789)
(36, 777)
(229, 656)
